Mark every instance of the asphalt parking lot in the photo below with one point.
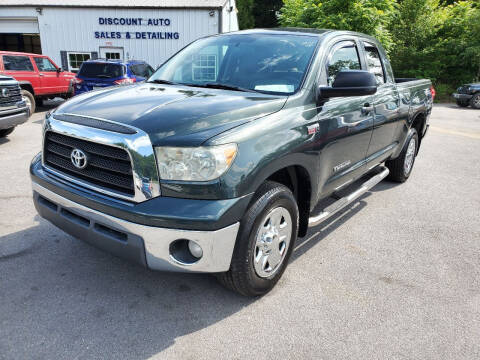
(395, 276)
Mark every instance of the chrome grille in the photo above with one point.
(14, 94)
(463, 89)
(108, 167)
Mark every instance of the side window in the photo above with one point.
(344, 57)
(44, 64)
(374, 63)
(17, 63)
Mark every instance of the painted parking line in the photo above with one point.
(472, 135)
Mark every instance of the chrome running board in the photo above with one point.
(346, 200)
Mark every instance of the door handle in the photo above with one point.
(41, 74)
(367, 108)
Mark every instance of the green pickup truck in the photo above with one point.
(218, 161)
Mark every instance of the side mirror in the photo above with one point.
(350, 83)
(59, 70)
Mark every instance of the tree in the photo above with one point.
(245, 14)
(435, 39)
(437, 42)
(368, 16)
(265, 13)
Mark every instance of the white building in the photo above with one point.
(71, 31)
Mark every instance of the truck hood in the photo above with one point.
(174, 115)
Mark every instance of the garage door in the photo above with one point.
(19, 26)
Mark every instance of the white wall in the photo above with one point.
(73, 29)
(229, 18)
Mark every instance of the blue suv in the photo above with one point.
(100, 73)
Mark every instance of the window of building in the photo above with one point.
(204, 67)
(112, 55)
(44, 64)
(374, 63)
(344, 57)
(75, 60)
(17, 63)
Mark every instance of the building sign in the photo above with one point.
(146, 35)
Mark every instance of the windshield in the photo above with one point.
(101, 70)
(255, 62)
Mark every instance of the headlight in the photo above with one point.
(194, 164)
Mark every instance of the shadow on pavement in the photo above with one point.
(66, 299)
(62, 291)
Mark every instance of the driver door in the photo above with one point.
(345, 123)
(50, 79)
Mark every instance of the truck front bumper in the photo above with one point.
(464, 97)
(13, 117)
(155, 247)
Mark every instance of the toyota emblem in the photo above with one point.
(79, 159)
(5, 92)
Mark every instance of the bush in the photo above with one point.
(424, 38)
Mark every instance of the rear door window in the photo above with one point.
(17, 63)
(101, 70)
(142, 70)
(344, 57)
(44, 64)
(374, 62)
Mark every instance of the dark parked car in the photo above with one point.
(98, 74)
(217, 163)
(13, 108)
(468, 94)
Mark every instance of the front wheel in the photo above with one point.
(401, 167)
(30, 100)
(265, 241)
(475, 101)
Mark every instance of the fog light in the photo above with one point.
(195, 249)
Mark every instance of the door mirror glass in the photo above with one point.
(59, 70)
(350, 83)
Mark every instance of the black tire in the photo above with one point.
(242, 276)
(397, 167)
(462, 103)
(29, 98)
(6, 132)
(475, 101)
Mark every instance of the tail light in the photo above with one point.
(124, 81)
(432, 90)
(77, 80)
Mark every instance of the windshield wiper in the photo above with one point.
(221, 86)
(160, 81)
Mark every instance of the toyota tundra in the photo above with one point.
(217, 162)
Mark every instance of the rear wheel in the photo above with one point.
(401, 167)
(462, 103)
(30, 100)
(475, 101)
(6, 132)
(265, 241)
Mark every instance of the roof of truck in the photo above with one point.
(287, 30)
(18, 53)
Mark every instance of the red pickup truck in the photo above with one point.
(39, 77)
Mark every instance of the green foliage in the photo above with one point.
(436, 39)
(245, 14)
(265, 13)
(367, 16)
